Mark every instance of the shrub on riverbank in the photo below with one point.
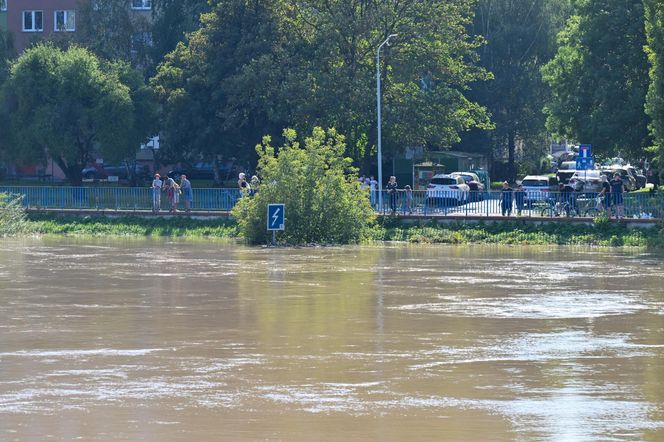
(12, 215)
(317, 185)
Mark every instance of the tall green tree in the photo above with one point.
(217, 89)
(520, 37)
(426, 71)
(655, 52)
(68, 104)
(112, 30)
(599, 78)
(172, 20)
(257, 66)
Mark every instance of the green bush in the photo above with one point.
(317, 184)
(12, 215)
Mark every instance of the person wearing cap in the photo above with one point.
(156, 193)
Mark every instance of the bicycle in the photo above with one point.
(559, 208)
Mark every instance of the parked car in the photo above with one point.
(472, 180)
(103, 171)
(565, 171)
(638, 176)
(587, 181)
(628, 180)
(538, 187)
(448, 187)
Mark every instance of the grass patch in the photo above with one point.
(132, 226)
(601, 233)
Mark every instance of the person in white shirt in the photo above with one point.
(156, 193)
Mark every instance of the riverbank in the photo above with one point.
(600, 233)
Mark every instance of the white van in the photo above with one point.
(538, 187)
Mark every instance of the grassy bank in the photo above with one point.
(131, 226)
(600, 233)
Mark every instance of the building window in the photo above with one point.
(33, 21)
(65, 21)
(3, 5)
(141, 4)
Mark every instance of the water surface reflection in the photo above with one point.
(172, 340)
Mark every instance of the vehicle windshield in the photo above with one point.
(535, 183)
(443, 181)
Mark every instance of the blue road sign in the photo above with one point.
(585, 163)
(585, 159)
(585, 151)
(275, 217)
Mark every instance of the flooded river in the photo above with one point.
(202, 341)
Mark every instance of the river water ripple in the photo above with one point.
(180, 340)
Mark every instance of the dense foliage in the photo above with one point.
(65, 104)
(599, 78)
(12, 215)
(227, 72)
(317, 184)
(655, 51)
(256, 67)
(520, 39)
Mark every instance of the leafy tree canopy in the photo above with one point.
(599, 78)
(655, 51)
(65, 104)
(257, 66)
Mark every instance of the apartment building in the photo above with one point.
(30, 20)
(3, 15)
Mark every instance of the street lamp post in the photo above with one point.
(380, 151)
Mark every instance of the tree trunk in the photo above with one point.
(215, 170)
(72, 172)
(511, 147)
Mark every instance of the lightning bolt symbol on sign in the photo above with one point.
(275, 217)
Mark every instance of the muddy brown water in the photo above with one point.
(178, 340)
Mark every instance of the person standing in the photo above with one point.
(255, 184)
(506, 199)
(187, 192)
(606, 194)
(392, 188)
(156, 193)
(408, 194)
(519, 199)
(617, 189)
(372, 191)
(243, 185)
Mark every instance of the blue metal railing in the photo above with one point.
(430, 203)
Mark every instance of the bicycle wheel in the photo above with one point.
(547, 212)
(592, 213)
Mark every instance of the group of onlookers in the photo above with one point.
(173, 192)
(249, 188)
(611, 196)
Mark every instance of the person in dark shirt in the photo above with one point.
(519, 199)
(392, 187)
(605, 195)
(617, 189)
(506, 199)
